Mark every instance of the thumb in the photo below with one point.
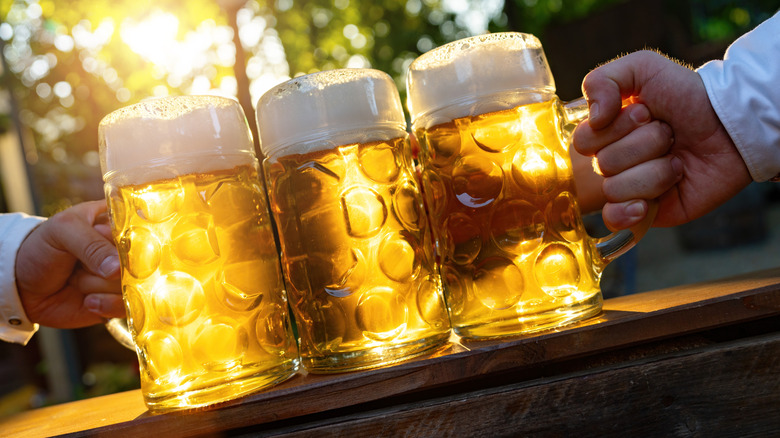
(73, 230)
(608, 86)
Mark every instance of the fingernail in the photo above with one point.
(110, 266)
(636, 209)
(639, 114)
(92, 303)
(677, 167)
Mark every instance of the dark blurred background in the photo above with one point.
(66, 64)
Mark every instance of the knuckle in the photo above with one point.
(659, 137)
(607, 163)
(64, 218)
(95, 252)
(582, 140)
(613, 189)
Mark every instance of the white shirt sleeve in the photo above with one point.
(744, 89)
(14, 324)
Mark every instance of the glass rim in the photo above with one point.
(174, 129)
(472, 69)
(326, 104)
(153, 105)
(445, 53)
(319, 78)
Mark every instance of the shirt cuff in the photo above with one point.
(744, 93)
(14, 324)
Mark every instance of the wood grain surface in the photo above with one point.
(632, 362)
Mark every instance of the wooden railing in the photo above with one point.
(696, 360)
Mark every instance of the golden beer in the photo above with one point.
(498, 182)
(201, 278)
(356, 247)
(500, 191)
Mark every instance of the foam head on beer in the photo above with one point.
(480, 74)
(172, 136)
(331, 107)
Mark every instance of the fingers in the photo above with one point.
(623, 215)
(101, 296)
(648, 180)
(589, 141)
(103, 226)
(105, 231)
(607, 86)
(88, 283)
(105, 305)
(626, 192)
(73, 231)
(604, 97)
(645, 143)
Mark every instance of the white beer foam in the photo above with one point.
(323, 110)
(456, 76)
(171, 136)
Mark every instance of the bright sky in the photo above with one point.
(155, 39)
(177, 58)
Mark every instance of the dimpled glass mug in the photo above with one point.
(498, 183)
(356, 247)
(201, 279)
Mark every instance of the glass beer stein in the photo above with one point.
(356, 248)
(497, 180)
(201, 279)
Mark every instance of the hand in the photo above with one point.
(654, 134)
(67, 269)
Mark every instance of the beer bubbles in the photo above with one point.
(498, 182)
(200, 272)
(355, 243)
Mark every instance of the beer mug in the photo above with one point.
(201, 279)
(498, 183)
(356, 249)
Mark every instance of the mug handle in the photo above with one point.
(619, 242)
(118, 329)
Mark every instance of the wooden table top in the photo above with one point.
(625, 321)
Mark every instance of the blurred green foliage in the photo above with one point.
(533, 16)
(714, 20)
(69, 63)
(108, 378)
